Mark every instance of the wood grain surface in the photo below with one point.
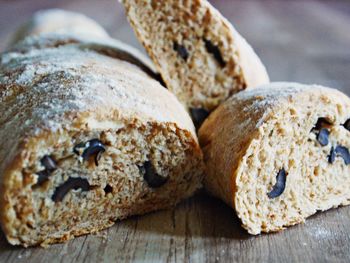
(306, 41)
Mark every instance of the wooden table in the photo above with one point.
(305, 41)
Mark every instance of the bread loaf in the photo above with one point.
(87, 138)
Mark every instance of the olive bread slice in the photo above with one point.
(279, 153)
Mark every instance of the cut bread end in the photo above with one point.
(80, 181)
(296, 164)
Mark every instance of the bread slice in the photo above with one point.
(201, 57)
(86, 139)
(279, 153)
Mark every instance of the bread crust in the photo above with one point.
(60, 22)
(57, 27)
(105, 46)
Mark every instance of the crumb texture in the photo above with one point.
(279, 153)
(200, 56)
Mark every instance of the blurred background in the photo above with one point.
(298, 40)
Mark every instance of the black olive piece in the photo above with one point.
(331, 156)
(181, 50)
(42, 176)
(322, 123)
(151, 177)
(198, 116)
(90, 148)
(99, 151)
(71, 183)
(108, 189)
(347, 125)
(344, 153)
(212, 49)
(280, 185)
(322, 137)
(50, 165)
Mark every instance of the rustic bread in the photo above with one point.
(61, 22)
(279, 153)
(86, 139)
(201, 57)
